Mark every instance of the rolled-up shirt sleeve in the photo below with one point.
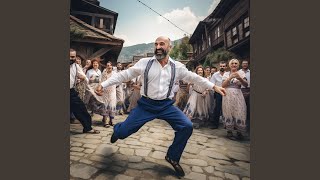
(123, 76)
(192, 77)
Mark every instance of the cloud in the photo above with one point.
(213, 5)
(150, 28)
(183, 18)
(127, 41)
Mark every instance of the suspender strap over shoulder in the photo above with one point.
(146, 77)
(173, 74)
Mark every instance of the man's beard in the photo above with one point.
(162, 55)
(72, 61)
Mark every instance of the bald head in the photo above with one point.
(162, 46)
(165, 39)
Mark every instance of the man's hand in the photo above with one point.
(99, 90)
(220, 90)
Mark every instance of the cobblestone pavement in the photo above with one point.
(208, 154)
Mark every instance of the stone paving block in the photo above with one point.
(82, 171)
(104, 177)
(122, 145)
(239, 156)
(195, 162)
(243, 164)
(88, 151)
(146, 140)
(106, 149)
(234, 170)
(199, 138)
(116, 169)
(126, 151)
(209, 169)
(85, 161)
(215, 178)
(149, 174)
(74, 158)
(77, 154)
(76, 144)
(76, 149)
(219, 174)
(159, 136)
(142, 152)
(135, 159)
(196, 176)
(191, 149)
(197, 169)
(91, 136)
(135, 143)
(189, 156)
(123, 177)
(231, 176)
(120, 163)
(158, 155)
(213, 154)
(133, 172)
(78, 136)
(156, 130)
(142, 165)
(101, 159)
(91, 146)
(119, 157)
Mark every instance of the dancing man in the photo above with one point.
(158, 75)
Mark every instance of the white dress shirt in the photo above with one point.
(217, 78)
(158, 77)
(93, 73)
(75, 69)
(247, 73)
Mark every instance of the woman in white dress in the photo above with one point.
(108, 108)
(233, 104)
(197, 105)
(94, 76)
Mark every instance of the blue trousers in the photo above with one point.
(147, 110)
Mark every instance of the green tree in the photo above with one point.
(215, 57)
(180, 50)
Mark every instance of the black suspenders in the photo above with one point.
(173, 74)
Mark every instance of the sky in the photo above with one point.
(138, 24)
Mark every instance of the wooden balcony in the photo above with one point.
(218, 40)
(203, 54)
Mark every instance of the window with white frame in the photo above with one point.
(246, 22)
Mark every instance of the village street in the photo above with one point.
(208, 154)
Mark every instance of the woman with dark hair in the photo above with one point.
(233, 104)
(196, 108)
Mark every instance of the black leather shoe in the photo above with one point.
(113, 138)
(176, 166)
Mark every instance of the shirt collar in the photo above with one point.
(170, 59)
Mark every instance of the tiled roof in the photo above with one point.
(90, 31)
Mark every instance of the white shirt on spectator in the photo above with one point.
(247, 73)
(158, 77)
(93, 73)
(217, 79)
(75, 69)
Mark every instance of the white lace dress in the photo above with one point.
(233, 105)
